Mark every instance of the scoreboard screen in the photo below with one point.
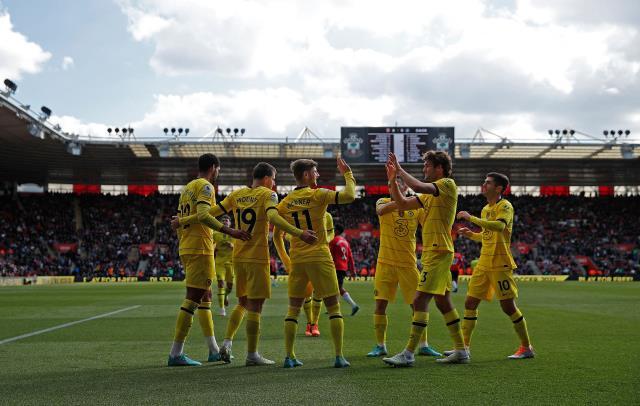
(373, 144)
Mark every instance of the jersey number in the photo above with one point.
(307, 216)
(185, 210)
(248, 217)
(504, 286)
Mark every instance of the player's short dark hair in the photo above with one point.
(439, 158)
(206, 161)
(263, 169)
(338, 229)
(300, 166)
(500, 179)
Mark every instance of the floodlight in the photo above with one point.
(46, 111)
(186, 131)
(11, 86)
(166, 130)
(242, 131)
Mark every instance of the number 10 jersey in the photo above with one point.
(249, 208)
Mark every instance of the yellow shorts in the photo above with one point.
(435, 277)
(388, 277)
(322, 276)
(484, 283)
(200, 270)
(224, 272)
(252, 280)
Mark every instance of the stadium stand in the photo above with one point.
(66, 234)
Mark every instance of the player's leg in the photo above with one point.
(316, 308)
(345, 295)
(306, 306)
(298, 289)
(406, 358)
(507, 293)
(325, 283)
(238, 312)
(206, 323)
(454, 280)
(221, 295)
(438, 283)
(384, 291)
(258, 290)
(199, 273)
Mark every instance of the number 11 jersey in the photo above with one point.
(249, 208)
(305, 208)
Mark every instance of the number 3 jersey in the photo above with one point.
(249, 207)
(195, 239)
(398, 236)
(305, 208)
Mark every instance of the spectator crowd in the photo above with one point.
(129, 235)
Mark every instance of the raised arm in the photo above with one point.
(402, 202)
(348, 195)
(384, 208)
(412, 182)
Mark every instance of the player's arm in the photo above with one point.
(493, 225)
(328, 224)
(348, 195)
(412, 182)
(280, 248)
(402, 202)
(385, 208)
(464, 231)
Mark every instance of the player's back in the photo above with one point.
(195, 238)
(305, 208)
(440, 212)
(496, 252)
(341, 253)
(398, 236)
(249, 210)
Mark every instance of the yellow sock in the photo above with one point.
(221, 295)
(185, 319)
(235, 319)
(380, 322)
(290, 330)
(337, 327)
(423, 336)
(307, 310)
(253, 331)
(315, 310)
(205, 319)
(468, 324)
(453, 324)
(520, 325)
(419, 324)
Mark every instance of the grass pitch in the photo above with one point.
(586, 336)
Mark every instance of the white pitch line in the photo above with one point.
(46, 330)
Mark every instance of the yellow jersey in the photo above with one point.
(398, 236)
(306, 208)
(495, 254)
(440, 212)
(249, 207)
(195, 238)
(224, 248)
(328, 225)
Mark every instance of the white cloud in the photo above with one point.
(67, 63)
(516, 68)
(17, 54)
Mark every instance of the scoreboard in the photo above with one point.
(373, 144)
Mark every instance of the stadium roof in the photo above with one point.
(51, 156)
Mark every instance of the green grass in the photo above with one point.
(586, 337)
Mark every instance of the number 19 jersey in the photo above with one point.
(195, 239)
(305, 208)
(249, 207)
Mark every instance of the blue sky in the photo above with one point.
(515, 67)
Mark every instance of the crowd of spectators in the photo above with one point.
(108, 233)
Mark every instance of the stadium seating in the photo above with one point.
(129, 235)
